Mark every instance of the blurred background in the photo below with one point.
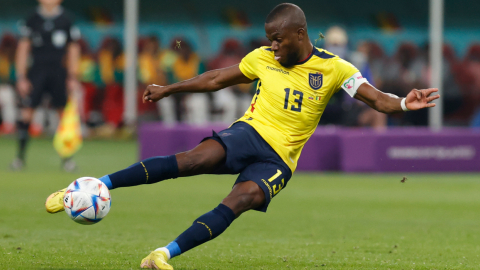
(389, 41)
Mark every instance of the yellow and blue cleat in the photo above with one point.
(54, 202)
(156, 260)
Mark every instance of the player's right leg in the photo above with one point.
(262, 175)
(254, 189)
(204, 158)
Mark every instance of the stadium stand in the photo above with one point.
(394, 45)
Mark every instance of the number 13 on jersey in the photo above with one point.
(298, 99)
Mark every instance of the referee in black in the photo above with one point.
(46, 64)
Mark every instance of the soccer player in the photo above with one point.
(50, 38)
(295, 82)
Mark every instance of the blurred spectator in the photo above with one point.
(101, 16)
(469, 77)
(149, 72)
(359, 113)
(149, 62)
(417, 74)
(166, 60)
(226, 102)
(8, 46)
(402, 72)
(186, 66)
(377, 61)
(236, 18)
(110, 67)
(89, 107)
(343, 109)
(50, 38)
(451, 95)
(336, 40)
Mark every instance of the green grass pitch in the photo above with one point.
(320, 220)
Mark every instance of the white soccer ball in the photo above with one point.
(87, 200)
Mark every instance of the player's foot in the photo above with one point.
(156, 260)
(17, 164)
(54, 202)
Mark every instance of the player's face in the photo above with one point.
(284, 41)
(50, 2)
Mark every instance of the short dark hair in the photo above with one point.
(276, 11)
(287, 10)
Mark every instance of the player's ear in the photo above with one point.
(301, 34)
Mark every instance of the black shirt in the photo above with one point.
(49, 37)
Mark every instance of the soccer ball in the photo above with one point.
(87, 200)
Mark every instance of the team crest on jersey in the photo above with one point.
(59, 38)
(315, 80)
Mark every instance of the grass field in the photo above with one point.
(320, 221)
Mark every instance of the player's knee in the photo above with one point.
(245, 196)
(192, 163)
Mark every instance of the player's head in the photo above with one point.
(286, 28)
(50, 2)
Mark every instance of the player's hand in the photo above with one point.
(73, 84)
(154, 93)
(419, 99)
(23, 87)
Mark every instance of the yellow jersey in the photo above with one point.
(289, 102)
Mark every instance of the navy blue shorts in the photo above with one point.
(249, 155)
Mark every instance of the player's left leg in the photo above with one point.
(243, 197)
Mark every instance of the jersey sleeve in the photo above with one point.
(73, 34)
(26, 28)
(249, 64)
(349, 77)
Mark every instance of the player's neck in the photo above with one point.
(49, 10)
(305, 53)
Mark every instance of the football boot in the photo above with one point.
(156, 260)
(54, 202)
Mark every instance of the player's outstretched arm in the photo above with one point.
(389, 103)
(207, 82)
